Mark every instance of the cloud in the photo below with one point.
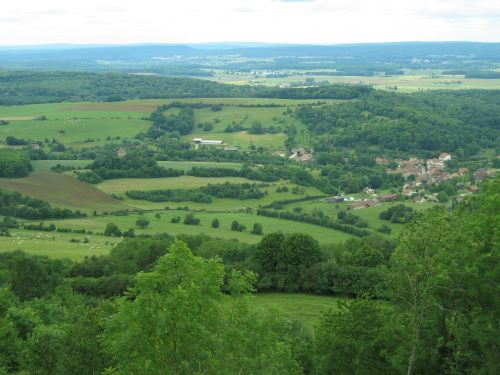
(295, 1)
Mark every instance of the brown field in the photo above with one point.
(62, 191)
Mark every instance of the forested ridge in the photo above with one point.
(25, 87)
(462, 121)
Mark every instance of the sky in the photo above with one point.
(29, 22)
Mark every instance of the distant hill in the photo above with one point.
(195, 59)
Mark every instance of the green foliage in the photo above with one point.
(142, 222)
(398, 214)
(359, 340)
(14, 164)
(176, 324)
(190, 219)
(283, 261)
(136, 164)
(257, 228)
(430, 121)
(237, 227)
(30, 276)
(215, 223)
(112, 230)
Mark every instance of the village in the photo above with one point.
(420, 175)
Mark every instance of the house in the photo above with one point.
(381, 161)
(481, 174)
(300, 155)
(368, 190)
(473, 189)
(364, 204)
(462, 171)
(420, 199)
(444, 156)
(388, 197)
(435, 164)
(407, 192)
(35, 146)
(121, 152)
(279, 153)
(231, 148)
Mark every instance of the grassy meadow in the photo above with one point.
(306, 308)
(57, 245)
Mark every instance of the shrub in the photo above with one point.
(189, 219)
(257, 229)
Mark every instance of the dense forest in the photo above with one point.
(413, 303)
(460, 122)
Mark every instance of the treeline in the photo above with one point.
(17, 205)
(135, 164)
(24, 87)
(203, 194)
(182, 123)
(14, 164)
(460, 122)
(323, 221)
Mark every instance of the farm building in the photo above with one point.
(364, 204)
(388, 197)
(207, 142)
(335, 199)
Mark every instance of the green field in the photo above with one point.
(56, 245)
(268, 117)
(163, 225)
(72, 124)
(90, 124)
(62, 191)
(411, 82)
(306, 308)
(370, 214)
(122, 185)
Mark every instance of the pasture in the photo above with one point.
(56, 245)
(122, 185)
(306, 308)
(164, 225)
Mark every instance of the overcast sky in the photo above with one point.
(290, 21)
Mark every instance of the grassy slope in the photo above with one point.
(306, 308)
(62, 191)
